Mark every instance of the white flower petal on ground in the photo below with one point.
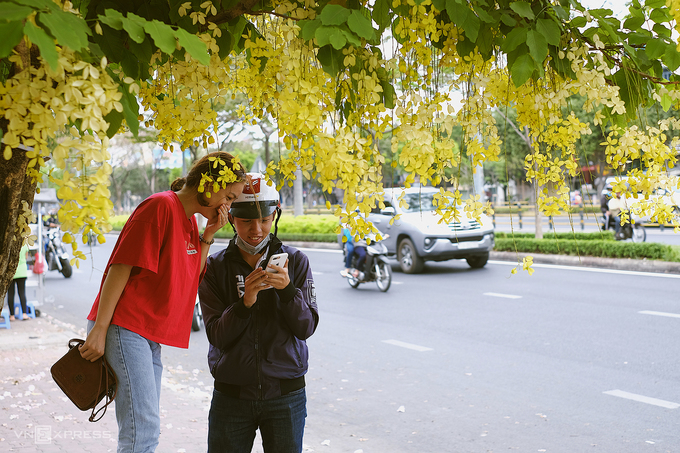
(401, 409)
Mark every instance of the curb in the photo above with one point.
(643, 265)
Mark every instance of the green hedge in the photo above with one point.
(594, 236)
(599, 248)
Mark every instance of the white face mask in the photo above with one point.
(252, 249)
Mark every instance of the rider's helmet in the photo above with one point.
(258, 200)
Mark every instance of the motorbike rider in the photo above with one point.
(615, 206)
(257, 323)
(609, 215)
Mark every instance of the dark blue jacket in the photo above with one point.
(255, 348)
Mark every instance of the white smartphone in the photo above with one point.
(277, 260)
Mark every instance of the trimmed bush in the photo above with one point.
(599, 248)
(595, 236)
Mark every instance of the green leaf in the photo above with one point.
(550, 31)
(672, 58)
(113, 18)
(561, 13)
(324, 35)
(11, 11)
(523, 9)
(130, 108)
(484, 16)
(65, 28)
(48, 49)
(381, 12)
(666, 102)
(439, 4)
(464, 18)
(12, 34)
(516, 37)
(508, 20)
(308, 28)
(334, 15)
(388, 94)
(115, 119)
(39, 4)
(662, 30)
(655, 48)
(633, 23)
(225, 43)
(538, 47)
(360, 25)
(163, 35)
(351, 37)
(522, 69)
(578, 22)
(338, 40)
(330, 59)
(134, 27)
(655, 3)
(192, 44)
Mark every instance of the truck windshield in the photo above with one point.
(418, 202)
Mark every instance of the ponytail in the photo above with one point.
(177, 184)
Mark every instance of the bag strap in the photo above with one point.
(110, 392)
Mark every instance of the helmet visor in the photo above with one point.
(253, 209)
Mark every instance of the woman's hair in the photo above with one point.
(206, 166)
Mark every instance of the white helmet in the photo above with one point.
(257, 200)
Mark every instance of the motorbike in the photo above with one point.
(636, 231)
(376, 267)
(56, 256)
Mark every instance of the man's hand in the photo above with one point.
(255, 282)
(280, 278)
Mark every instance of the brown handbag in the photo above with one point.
(85, 383)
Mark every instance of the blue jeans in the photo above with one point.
(232, 423)
(137, 364)
(349, 251)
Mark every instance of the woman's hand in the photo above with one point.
(255, 282)
(218, 221)
(95, 344)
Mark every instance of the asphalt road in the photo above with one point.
(460, 360)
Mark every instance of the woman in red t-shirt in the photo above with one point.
(149, 289)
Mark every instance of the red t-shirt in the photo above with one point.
(162, 245)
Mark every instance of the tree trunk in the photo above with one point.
(16, 186)
(298, 202)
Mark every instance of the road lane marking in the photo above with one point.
(506, 296)
(414, 347)
(659, 313)
(642, 399)
(590, 269)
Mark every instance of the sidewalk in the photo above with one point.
(37, 417)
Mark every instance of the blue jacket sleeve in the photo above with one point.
(224, 322)
(297, 301)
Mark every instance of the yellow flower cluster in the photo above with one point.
(39, 103)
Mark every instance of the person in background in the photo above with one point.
(349, 251)
(20, 281)
(257, 323)
(148, 290)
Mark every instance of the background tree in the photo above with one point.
(326, 72)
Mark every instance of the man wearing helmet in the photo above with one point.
(257, 323)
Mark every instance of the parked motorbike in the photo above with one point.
(376, 267)
(55, 254)
(636, 231)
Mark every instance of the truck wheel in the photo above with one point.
(409, 261)
(477, 261)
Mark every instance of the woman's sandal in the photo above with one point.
(25, 317)
(12, 318)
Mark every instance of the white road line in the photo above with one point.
(415, 347)
(591, 269)
(642, 399)
(659, 313)
(506, 296)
